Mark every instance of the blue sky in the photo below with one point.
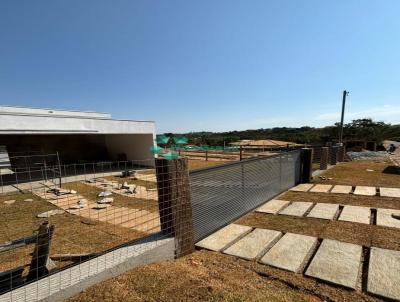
(204, 65)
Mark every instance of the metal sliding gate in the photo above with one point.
(222, 194)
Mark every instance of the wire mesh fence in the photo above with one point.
(222, 194)
(73, 215)
(69, 222)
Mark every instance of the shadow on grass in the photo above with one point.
(391, 170)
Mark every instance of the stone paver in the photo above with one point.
(253, 244)
(385, 217)
(384, 273)
(220, 239)
(365, 191)
(337, 262)
(297, 208)
(341, 189)
(321, 188)
(356, 214)
(291, 252)
(273, 206)
(390, 192)
(324, 211)
(302, 187)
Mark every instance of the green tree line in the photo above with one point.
(360, 129)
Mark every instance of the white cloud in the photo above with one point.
(383, 113)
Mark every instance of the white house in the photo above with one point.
(77, 136)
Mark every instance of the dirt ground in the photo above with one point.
(365, 173)
(71, 235)
(91, 192)
(195, 164)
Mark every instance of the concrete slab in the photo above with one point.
(390, 192)
(254, 244)
(383, 273)
(337, 262)
(365, 191)
(222, 238)
(321, 188)
(386, 217)
(302, 187)
(324, 211)
(356, 214)
(341, 189)
(291, 252)
(297, 208)
(273, 206)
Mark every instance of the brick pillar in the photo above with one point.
(323, 164)
(341, 153)
(333, 155)
(174, 203)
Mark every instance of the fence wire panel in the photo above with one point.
(224, 193)
(58, 219)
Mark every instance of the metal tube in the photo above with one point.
(345, 93)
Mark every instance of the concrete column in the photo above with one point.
(174, 202)
(306, 165)
(323, 164)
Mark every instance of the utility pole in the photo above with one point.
(345, 93)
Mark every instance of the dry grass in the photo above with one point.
(209, 276)
(91, 192)
(355, 173)
(201, 164)
(19, 220)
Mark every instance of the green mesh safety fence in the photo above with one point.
(162, 139)
(180, 140)
(156, 149)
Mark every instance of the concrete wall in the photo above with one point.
(135, 146)
(45, 124)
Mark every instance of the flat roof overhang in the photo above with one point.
(44, 124)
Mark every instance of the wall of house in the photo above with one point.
(135, 146)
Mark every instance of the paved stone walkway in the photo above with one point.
(337, 262)
(136, 219)
(385, 217)
(342, 189)
(356, 214)
(332, 261)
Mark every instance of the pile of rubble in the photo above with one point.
(367, 155)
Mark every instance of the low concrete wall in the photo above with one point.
(71, 281)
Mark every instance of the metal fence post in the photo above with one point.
(306, 163)
(174, 202)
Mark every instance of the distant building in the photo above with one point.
(77, 136)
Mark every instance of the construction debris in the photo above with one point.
(50, 213)
(104, 194)
(363, 155)
(11, 201)
(106, 200)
